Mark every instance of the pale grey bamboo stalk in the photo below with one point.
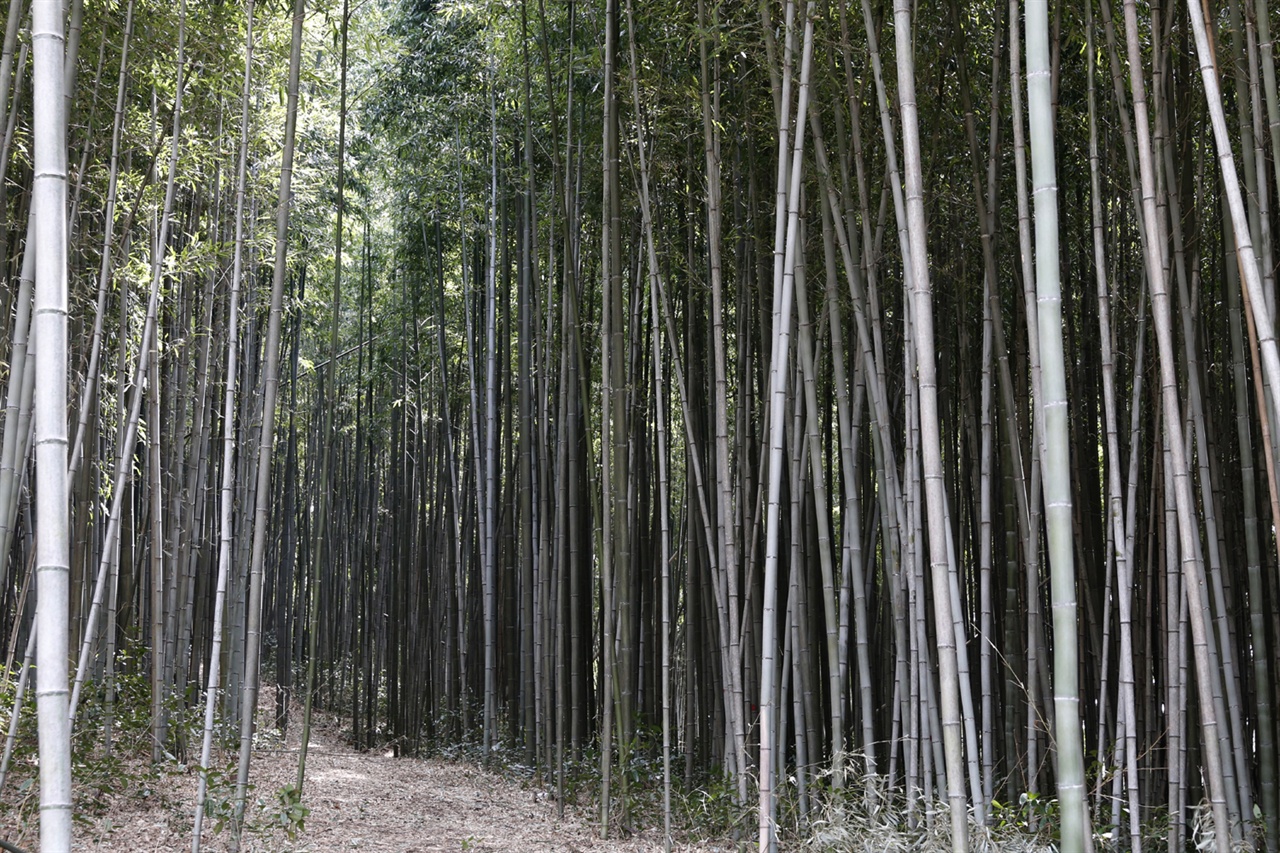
(249, 693)
(849, 424)
(993, 331)
(1035, 616)
(893, 503)
(926, 737)
(695, 455)
(11, 123)
(49, 327)
(783, 87)
(778, 396)
(890, 143)
(74, 207)
(70, 67)
(227, 499)
(1259, 392)
(1235, 201)
(986, 622)
(805, 350)
(1227, 691)
(191, 505)
(155, 496)
(1253, 548)
(1271, 367)
(664, 497)
(1125, 716)
(1175, 642)
(981, 742)
(19, 608)
(1154, 250)
(158, 722)
(782, 119)
(490, 453)
(1057, 440)
(455, 495)
(17, 411)
(1250, 144)
(13, 22)
(1270, 797)
(931, 442)
(1266, 47)
(324, 523)
(123, 473)
(727, 535)
(477, 460)
(113, 548)
(967, 713)
(1027, 506)
(867, 333)
(1258, 177)
(610, 243)
(109, 655)
(792, 673)
(15, 714)
(929, 757)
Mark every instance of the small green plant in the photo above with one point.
(1034, 815)
(288, 813)
(219, 798)
(712, 808)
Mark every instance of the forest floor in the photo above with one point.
(359, 801)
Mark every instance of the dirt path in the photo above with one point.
(378, 803)
(368, 802)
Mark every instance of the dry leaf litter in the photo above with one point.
(370, 802)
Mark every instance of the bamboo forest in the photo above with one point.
(778, 425)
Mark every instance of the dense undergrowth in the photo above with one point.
(864, 816)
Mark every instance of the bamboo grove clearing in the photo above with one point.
(826, 409)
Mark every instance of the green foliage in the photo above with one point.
(100, 776)
(1033, 815)
(709, 810)
(287, 812)
(219, 798)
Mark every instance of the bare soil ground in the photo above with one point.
(359, 801)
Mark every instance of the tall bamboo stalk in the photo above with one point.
(249, 694)
(49, 329)
(1056, 464)
(227, 499)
